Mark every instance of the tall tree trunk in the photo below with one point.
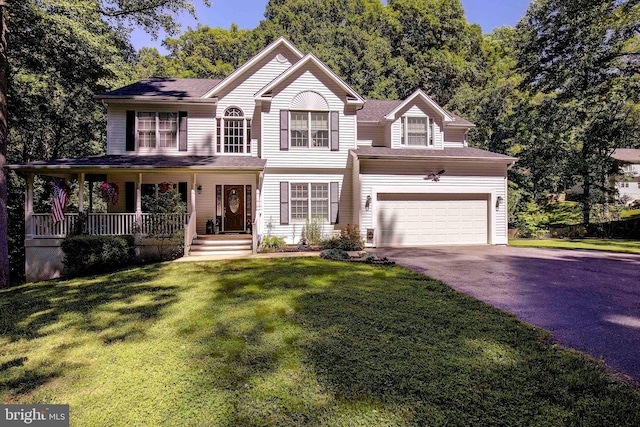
(4, 135)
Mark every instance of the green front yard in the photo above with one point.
(609, 245)
(294, 341)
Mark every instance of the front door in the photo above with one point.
(234, 208)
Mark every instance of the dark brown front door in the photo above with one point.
(234, 208)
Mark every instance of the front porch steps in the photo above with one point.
(222, 244)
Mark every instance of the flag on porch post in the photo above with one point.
(59, 202)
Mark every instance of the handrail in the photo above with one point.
(189, 233)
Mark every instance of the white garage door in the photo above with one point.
(428, 219)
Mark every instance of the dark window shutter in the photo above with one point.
(182, 130)
(284, 130)
(131, 131)
(182, 189)
(334, 194)
(284, 203)
(130, 196)
(335, 126)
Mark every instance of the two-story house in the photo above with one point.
(628, 182)
(280, 140)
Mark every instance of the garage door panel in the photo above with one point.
(421, 220)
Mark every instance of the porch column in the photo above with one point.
(139, 200)
(28, 208)
(81, 192)
(193, 193)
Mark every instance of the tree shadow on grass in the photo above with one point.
(433, 357)
(113, 307)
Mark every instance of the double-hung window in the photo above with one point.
(309, 201)
(157, 130)
(417, 131)
(309, 129)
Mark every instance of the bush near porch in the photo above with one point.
(88, 254)
(292, 342)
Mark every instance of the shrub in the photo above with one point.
(335, 254)
(86, 254)
(270, 243)
(313, 231)
(349, 240)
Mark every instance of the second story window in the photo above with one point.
(234, 132)
(417, 131)
(157, 130)
(309, 129)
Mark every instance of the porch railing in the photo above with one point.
(109, 224)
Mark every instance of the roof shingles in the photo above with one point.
(164, 87)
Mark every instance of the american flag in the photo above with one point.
(59, 203)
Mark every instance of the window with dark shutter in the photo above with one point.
(284, 203)
(284, 130)
(335, 127)
(335, 202)
(130, 196)
(182, 130)
(131, 131)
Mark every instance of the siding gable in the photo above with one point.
(311, 79)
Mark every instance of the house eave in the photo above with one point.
(153, 100)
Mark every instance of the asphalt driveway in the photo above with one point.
(588, 300)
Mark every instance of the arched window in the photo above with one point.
(234, 132)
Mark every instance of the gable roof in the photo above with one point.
(163, 87)
(311, 58)
(391, 115)
(280, 41)
(375, 110)
(628, 155)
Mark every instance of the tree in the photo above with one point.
(4, 134)
(56, 55)
(584, 53)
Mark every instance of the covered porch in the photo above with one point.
(221, 195)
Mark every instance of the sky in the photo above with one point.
(489, 14)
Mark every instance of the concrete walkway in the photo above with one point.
(588, 300)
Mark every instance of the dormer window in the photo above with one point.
(234, 132)
(417, 131)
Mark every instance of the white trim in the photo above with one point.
(280, 41)
(261, 95)
(391, 116)
(491, 238)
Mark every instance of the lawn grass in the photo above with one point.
(630, 214)
(608, 245)
(291, 342)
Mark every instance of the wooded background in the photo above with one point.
(560, 91)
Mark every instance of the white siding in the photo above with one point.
(116, 129)
(206, 201)
(241, 93)
(371, 135)
(147, 178)
(200, 129)
(454, 137)
(417, 111)
(458, 179)
(306, 157)
(271, 202)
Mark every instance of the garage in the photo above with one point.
(432, 219)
